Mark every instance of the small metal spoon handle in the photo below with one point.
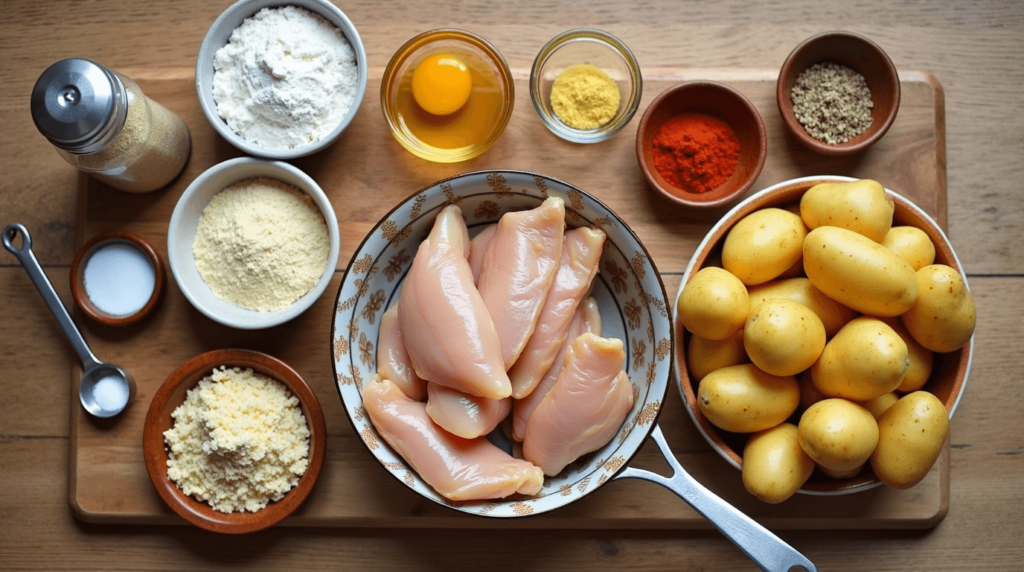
(42, 283)
(768, 551)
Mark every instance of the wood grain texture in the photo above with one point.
(106, 458)
(974, 49)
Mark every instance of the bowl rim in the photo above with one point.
(179, 261)
(854, 485)
(504, 75)
(762, 134)
(793, 126)
(81, 260)
(657, 275)
(198, 512)
(246, 9)
(586, 136)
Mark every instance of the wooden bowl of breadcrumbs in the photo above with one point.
(838, 93)
(230, 428)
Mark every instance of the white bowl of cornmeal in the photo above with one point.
(253, 243)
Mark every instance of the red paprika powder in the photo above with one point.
(695, 152)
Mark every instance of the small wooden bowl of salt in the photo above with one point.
(117, 278)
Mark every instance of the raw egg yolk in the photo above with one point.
(441, 84)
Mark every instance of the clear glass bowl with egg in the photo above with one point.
(448, 136)
(586, 46)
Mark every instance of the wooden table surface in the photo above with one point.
(975, 49)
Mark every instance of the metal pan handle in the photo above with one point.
(768, 551)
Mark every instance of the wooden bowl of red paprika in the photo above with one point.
(701, 144)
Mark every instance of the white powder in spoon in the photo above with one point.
(285, 79)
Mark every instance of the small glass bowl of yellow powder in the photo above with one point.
(585, 85)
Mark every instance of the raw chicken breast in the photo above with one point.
(467, 416)
(581, 254)
(519, 266)
(447, 329)
(586, 319)
(392, 359)
(459, 469)
(477, 248)
(584, 409)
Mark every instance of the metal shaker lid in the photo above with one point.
(79, 105)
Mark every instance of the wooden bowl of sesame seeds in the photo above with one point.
(847, 93)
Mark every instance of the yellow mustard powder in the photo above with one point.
(239, 441)
(583, 96)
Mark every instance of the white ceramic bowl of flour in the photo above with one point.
(181, 235)
(218, 36)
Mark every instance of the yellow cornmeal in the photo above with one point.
(584, 97)
(238, 441)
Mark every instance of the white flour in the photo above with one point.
(285, 79)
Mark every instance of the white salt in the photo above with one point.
(110, 393)
(119, 279)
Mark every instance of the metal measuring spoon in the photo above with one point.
(105, 389)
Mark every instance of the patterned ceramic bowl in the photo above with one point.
(629, 292)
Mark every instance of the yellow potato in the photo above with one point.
(833, 315)
(912, 245)
(838, 434)
(920, 359)
(744, 399)
(774, 465)
(910, 437)
(809, 393)
(943, 318)
(859, 273)
(859, 206)
(714, 304)
(865, 359)
(704, 356)
(783, 337)
(880, 404)
(763, 245)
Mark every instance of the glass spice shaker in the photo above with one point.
(101, 122)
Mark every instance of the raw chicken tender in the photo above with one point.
(459, 469)
(478, 246)
(519, 266)
(467, 416)
(586, 319)
(581, 253)
(393, 361)
(447, 329)
(584, 409)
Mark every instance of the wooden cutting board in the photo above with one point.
(365, 174)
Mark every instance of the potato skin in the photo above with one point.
(833, 315)
(864, 360)
(858, 273)
(763, 245)
(912, 245)
(920, 359)
(774, 465)
(744, 399)
(859, 206)
(714, 304)
(880, 404)
(910, 437)
(943, 317)
(704, 356)
(783, 337)
(838, 434)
